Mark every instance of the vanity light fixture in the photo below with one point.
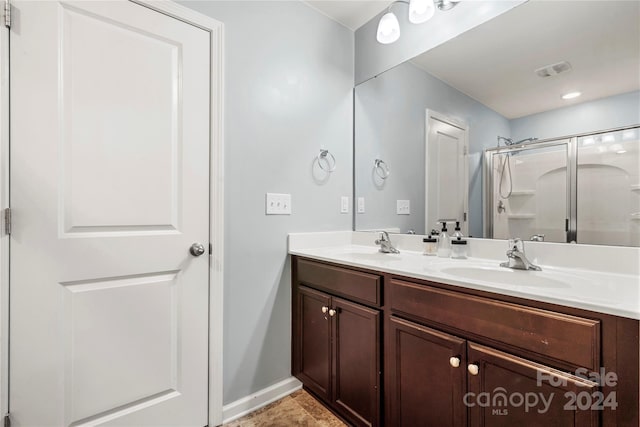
(388, 28)
(420, 11)
(571, 95)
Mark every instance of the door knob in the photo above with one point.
(454, 362)
(473, 369)
(325, 309)
(196, 249)
(332, 312)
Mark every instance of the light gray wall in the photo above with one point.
(373, 58)
(390, 122)
(606, 113)
(289, 80)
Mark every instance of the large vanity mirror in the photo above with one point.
(476, 130)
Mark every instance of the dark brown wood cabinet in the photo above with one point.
(457, 357)
(423, 384)
(336, 349)
(314, 341)
(356, 373)
(518, 393)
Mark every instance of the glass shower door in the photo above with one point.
(608, 188)
(530, 198)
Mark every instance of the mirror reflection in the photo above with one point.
(545, 96)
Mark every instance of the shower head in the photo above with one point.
(524, 141)
(509, 141)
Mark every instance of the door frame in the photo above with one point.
(216, 200)
(431, 114)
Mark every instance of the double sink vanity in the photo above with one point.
(412, 340)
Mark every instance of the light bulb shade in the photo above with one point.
(388, 29)
(421, 11)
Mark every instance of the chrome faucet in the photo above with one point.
(385, 244)
(537, 238)
(517, 259)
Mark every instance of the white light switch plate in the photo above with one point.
(403, 207)
(360, 204)
(344, 204)
(278, 204)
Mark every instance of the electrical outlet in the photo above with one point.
(360, 204)
(403, 207)
(278, 204)
(344, 204)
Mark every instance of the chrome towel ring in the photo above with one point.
(326, 158)
(381, 169)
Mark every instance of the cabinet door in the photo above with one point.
(356, 383)
(425, 377)
(313, 341)
(505, 390)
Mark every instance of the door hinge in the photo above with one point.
(7, 421)
(7, 13)
(7, 220)
(210, 249)
(465, 217)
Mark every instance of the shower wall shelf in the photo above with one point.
(523, 193)
(521, 216)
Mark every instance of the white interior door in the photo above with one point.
(110, 118)
(446, 172)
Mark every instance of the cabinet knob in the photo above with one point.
(473, 369)
(332, 312)
(454, 361)
(325, 308)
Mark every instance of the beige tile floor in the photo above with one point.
(297, 409)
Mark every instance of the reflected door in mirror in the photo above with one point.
(446, 171)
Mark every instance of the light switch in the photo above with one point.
(360, 204)
(403, 207)
(344, 204)
(278, 204)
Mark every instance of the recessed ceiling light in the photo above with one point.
(571, 95)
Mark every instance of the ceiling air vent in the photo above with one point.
(554, 69)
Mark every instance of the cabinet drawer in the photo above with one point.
(358, 286)
(566, 338)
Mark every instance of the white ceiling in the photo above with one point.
(350, 13)
(495, 62)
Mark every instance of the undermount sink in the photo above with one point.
(507, 276)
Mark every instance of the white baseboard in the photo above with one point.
(242, 407)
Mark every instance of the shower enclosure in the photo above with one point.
(583, 189)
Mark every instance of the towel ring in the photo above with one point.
(381, 168)
(326, 157)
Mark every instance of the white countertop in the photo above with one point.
(607, 292)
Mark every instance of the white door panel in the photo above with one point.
(110, 187)
(446, 171)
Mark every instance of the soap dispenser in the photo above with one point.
(458, 248)
(444, 242)
(457, 233)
